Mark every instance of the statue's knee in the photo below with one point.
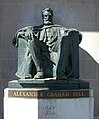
(72, 33)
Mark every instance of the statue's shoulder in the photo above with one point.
(37, 28)
(60, 27)
(49, 26)
(24, 29)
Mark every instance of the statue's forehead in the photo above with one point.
(46, 13)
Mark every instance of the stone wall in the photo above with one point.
(80, 14)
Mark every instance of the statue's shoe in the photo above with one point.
(28, 76)
(39, 75)
(61, 76)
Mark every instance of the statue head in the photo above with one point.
(47, 15)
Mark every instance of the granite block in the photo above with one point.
(77, 108)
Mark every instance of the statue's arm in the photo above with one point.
(25, 33)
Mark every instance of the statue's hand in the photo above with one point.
(21, 32)
(29, 33)
(25, 33)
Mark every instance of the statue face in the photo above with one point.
(47, 17)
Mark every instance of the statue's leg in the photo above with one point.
(36, 50)
(75, 55)
(29, 65)
(68, 64)
(25, 62)
(65, 49)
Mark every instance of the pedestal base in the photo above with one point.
(44, 104)
(51, 84)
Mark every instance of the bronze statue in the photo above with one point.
(48, 50)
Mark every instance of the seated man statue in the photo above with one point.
(48, 50)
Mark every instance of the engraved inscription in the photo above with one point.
(48, 110)
(58, 94)
(48, 94)
(80, 94)
(28, 94)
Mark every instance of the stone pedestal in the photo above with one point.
(48, 104)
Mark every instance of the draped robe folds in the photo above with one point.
(48, 40)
